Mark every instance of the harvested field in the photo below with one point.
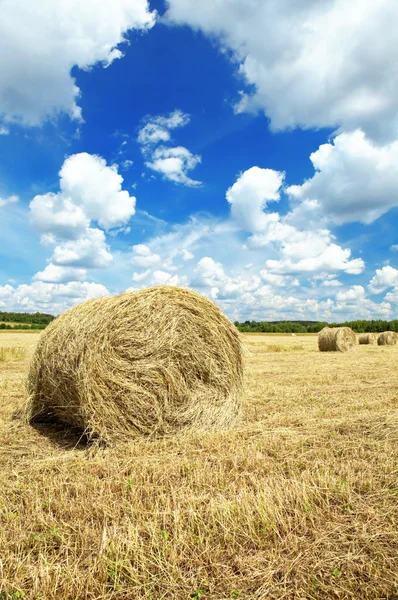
(298, 501)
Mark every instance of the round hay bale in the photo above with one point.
(336, 339)
(368, 338)
(150, 362)
(387, 338)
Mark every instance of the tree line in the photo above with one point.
(359, 326)
(24, 320)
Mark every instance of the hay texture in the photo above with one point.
(387, 338)
(150, 362)
(336, 339)
(368, 338)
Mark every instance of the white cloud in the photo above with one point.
(383, 279)
(164, 278)
(312, 64)
(209, 272)
(4, 130)
(157, 129)
(299, 250)
(143, 256)
(126, 164)
(331, 258)
(89, 191)
(48, 297)
(9, 200)
(277, 280)
(331, 283)
(174, 163)
(41, 49)
(57, 215)
(249, 196)
(88, 181)
(354, 294)
(355, 180)
(186, 255)
(90, 251)
(141, 276)
(391, 296)
(56, 274)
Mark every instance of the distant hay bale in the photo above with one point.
(336, 339)
(387, 338)
(150, 362)
(368, 338)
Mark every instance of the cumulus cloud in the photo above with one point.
(35, 81)
(48, 297)
(90, 251)
(144, 257)
(354, 294)
(141, 276)
(172, 162)
(331, 258)
(157, 128)
(331, 283)
(164, 278)
(88, 181)
(278, 280)
(89, 191)
(209, 272)
(355, 180)
(383, 279)
(249, 195)
(9, 200)
(56, 215)
(312, 64)
(185, 254)
(56, 274)
(300, 250)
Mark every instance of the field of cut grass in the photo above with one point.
(299, 501)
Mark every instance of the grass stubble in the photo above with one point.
(298, 501)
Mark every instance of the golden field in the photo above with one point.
(299, 501)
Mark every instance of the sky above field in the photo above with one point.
(244, 148)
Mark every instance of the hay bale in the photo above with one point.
(368, 338)
(336, 339)
(387, 338)
(150, 362)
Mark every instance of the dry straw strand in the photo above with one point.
(387, 338)
(149, 362)
(336, 339)
(368, 338)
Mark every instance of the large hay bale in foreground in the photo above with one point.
(336, 339)
(368, 338)
(150, 362)
(387, 338)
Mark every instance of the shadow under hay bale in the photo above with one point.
(151, 362)
(368, 338)
(336, 339)
(387, 338)
(62, 434)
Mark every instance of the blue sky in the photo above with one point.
(245, 148)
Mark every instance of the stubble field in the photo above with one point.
(299, 501)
